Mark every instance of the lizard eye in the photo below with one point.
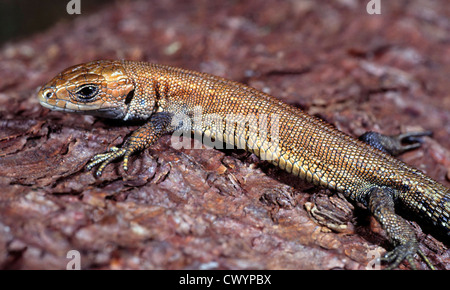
(87, 92)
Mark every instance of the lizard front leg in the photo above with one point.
(145, 136)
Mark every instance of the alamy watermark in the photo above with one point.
(73, 7)
(375, 260)
(374, 7)
(75, 260)
(254, 132)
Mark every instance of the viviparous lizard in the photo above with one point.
(172, 99)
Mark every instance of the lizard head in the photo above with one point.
(100, 88)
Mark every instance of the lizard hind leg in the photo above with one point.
(399, 232)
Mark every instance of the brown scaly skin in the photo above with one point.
(171, 98)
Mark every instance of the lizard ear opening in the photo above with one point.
(129, 97)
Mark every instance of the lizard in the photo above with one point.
(169, 99)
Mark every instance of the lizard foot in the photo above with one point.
(105, 158)
(405, 252)
(396, 144)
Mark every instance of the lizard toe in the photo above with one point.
(104, 159)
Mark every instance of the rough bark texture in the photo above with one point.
(206, 208)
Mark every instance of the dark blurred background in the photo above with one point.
(20, 18)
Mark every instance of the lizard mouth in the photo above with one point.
(55, 108)
(85, 110)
